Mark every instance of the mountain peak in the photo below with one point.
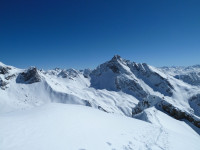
(116, 57)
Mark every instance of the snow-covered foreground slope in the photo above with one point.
(57, 126)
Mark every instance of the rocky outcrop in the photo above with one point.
(130, 86)
(86, 73)
(179, 114)
(113, 64)
(163, 105)
(115, 75)
(152, 78)
(194, 102)
(29, 76)
(3, 84)
(70, 73)
(10, 77)
(147, 102)
(4, 70)
(119, 74)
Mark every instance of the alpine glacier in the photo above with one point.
(139, 107)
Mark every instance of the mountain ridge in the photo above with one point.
(116, 86)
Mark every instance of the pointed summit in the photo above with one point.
(116, 57)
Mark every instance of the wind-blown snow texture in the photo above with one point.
(167, 99)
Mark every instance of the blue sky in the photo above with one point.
(85, 33)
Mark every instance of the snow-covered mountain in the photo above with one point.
(190, 75)
(168, 98)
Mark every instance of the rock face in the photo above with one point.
(4, 70)
(152, 78)
(129, 77)
(194, 102)
(2, 84)
(86, 73)
(116, 75)
(148, 102)
(130, 86)
(29, 77)
(179, 114)
(70, 73)
(163, 105)
(10, 77)
(192, 78)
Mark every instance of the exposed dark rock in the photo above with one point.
(116, 57)
(152, 78)
(166, 107)
(3, 84)
(147, 102)
(179, 114)
(4, 70)
(115, 75)
(114, 68)
(130, 86)
(70, 73)
(194, 102)
(172, 111)
(29, 77)
(63, 74)
(86, 73)
(100, 108)
(114, 65)
(87, 103)
(10, 77)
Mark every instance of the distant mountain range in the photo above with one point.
(118, 86)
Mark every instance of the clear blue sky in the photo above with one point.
(83, 33)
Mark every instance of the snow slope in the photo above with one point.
(190, 74)
(170, 106)
(52, 87)
(57, 126)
